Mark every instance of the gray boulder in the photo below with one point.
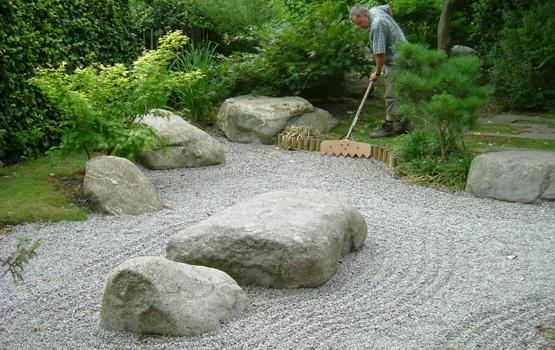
(461, 50)
(153, 295)
(116, 186)
(355, 85)
(515, 176)
(286, 239)
(188, 146)
(259, 118)
(319, 120)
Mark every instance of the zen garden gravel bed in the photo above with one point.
(438, 269)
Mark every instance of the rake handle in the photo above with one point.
(370, 86)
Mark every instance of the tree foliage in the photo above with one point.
(442, 92)
(516, 44)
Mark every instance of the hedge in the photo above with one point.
(45, 33)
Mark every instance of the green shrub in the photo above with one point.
(418, 19)
(524, 60)
(100, 103)
(222, 21)
(307, 55)
(239, 74)
(419, 156)
(196, 99)
(46, 32)
(443, 93)
(418, 144)
(233, 17)
(514, 40)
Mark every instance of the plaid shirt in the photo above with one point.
(384, 32)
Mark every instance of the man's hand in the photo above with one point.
(374, 76)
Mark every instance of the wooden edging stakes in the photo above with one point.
(377, 152)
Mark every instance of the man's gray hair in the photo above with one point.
(359, 11)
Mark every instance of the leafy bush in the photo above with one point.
(221, 21)
(441, 92)
(239, 74)
(100, 103)
(419, 157)
(306, 55)
(524, 59)
(514, 40)
(418, 144)
(46, 32)
(233, 17)
(418, 19)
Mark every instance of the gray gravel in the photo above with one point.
(433, 272)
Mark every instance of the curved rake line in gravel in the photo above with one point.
(515, 313)
(134, 247)
(502, 322)
(486, 337)
(533, 336)
(392, 310)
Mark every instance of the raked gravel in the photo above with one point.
(435, 271)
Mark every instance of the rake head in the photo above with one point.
(346, 148)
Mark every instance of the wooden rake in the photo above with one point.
(347, 147)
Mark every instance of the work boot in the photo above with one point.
(386, 130)
(403, 127)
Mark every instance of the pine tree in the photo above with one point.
(442, 92)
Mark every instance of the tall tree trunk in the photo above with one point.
(444, 27)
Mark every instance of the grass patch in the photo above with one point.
(42, 190)
(480, 143)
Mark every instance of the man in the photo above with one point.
(384, 33)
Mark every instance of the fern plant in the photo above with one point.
(24, 252)
(100, 104)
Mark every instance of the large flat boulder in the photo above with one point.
(259, 118)
(285, 239)
(514, 176)
(188, 146)
(116, 186)
(154, 295)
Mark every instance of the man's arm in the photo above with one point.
(379, 48)
(380, 61)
